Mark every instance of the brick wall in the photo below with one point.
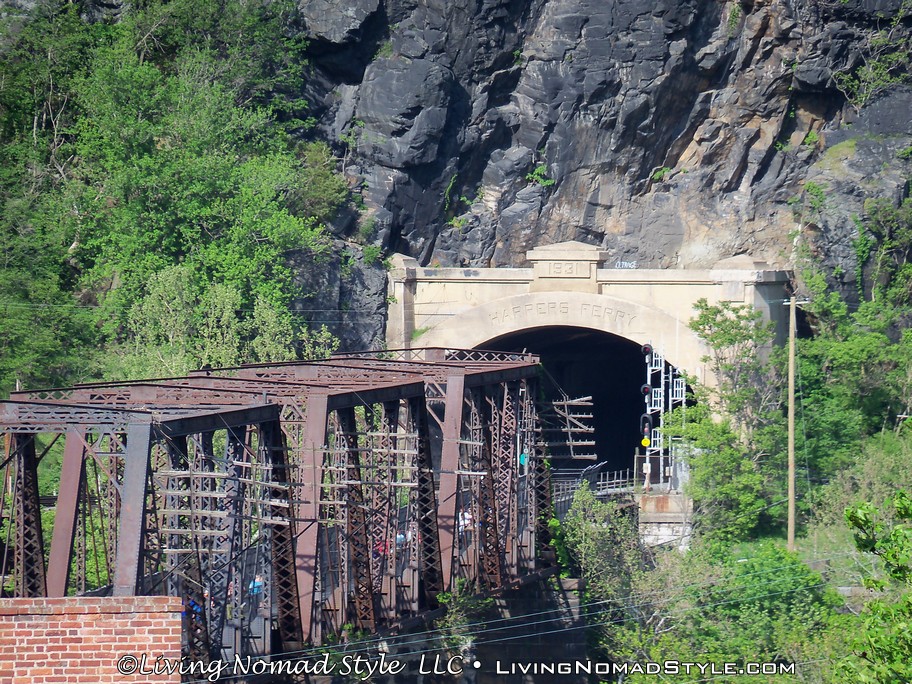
(81, 640)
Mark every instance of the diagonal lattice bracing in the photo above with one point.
(282, 502)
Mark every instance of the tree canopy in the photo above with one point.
(156, 175)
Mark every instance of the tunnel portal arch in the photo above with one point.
(636, 323)
(589, 345)
(568, 294)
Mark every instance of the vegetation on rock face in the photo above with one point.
(883, 57)
(154, 179)
(736, 595)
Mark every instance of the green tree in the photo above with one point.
(891, 259)
(881, 651)
(600, 535)
(219, 339)
(853, 373)
(732, 437)
(191, 177)
(170, 139)
(464, 608)
(754, 602)
(737, 337)
(272, 333)
(46, 332)
(602, 540)
(161, 328)
(726, 484)
(767, 605)
(317, 343)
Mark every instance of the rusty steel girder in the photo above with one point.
(289, 498)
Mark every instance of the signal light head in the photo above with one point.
(646, 429)
(646, 390)
(646, 349)
(646, 425)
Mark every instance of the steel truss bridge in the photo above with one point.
(283, 502)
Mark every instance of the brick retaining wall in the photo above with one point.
(80, 640)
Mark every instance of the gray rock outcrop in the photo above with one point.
(671, 133)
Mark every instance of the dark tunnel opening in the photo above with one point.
(585, 362)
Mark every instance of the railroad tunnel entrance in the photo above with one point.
(586, 362)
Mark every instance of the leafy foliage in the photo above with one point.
(891, 228)
(539, 176)
(712, 603)
(152, 191)
(881, 651)
(599, 534)
(726, 484)
(463, 609)
(884, 60)
(190, 179)
(736, 459)
(735, 334)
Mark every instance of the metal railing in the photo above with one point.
(603, 484)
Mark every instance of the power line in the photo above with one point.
(300, 312)
(364, 645)
(562, 629)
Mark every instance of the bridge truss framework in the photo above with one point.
(284, 502)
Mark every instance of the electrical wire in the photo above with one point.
(414, 638)
(431, 632)
(562, 629)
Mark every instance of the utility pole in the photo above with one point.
(791, 427)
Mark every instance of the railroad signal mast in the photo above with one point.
(663, 390)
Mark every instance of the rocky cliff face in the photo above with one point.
(672, 133)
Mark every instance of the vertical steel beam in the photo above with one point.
(540, 485)
(178, 461)
(470, 508)
(132, 510)
(79, 541)
(228, 541)
(30, 571)
(116, 452)
(71, 480)
(430, 572)
(306, 513)
(449, 464)
(504, 463)
(528, 510)
(492, 560)
(384, 516)
(359, 550)
(284, 585)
